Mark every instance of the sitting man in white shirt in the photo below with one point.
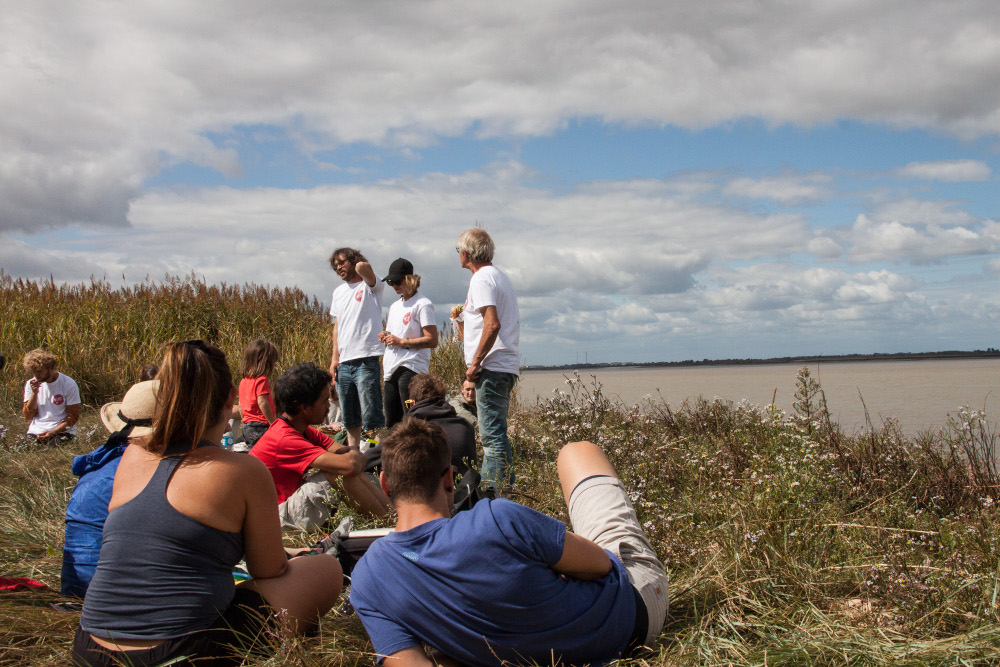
(51, 400)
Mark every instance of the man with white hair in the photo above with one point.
(492, 331)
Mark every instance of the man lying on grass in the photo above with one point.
(291, 446)
(502, 583)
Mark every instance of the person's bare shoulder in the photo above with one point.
(250, 465)
(238, 463)
(248, 472)
(224, 467)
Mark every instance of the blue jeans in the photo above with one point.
(493, 391)
(360, 391)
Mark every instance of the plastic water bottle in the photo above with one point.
(227, 440)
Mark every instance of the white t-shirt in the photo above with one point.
(357, 308)
(407, 319)
(491, 287)
(53, 397)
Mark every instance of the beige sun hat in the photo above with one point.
(135, 408)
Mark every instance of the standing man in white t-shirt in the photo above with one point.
(51, 400)
(356, 308)
(492, 329)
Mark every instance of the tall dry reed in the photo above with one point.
(104, 335)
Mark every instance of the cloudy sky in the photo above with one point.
(663, 181)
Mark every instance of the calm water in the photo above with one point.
(919, 394)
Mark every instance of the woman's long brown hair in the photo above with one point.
(195, 383)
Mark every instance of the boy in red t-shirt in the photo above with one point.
(292, 445)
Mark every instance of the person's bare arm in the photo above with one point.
(334, 354)
(265, 554)
(582, 559)
(30, 407)
(72, 417)
(367, 273)
(408, 657)
(341, 461)
(429, 338)
(265, 408)
(491, 329)
(439, 658)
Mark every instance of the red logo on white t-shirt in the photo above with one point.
(406, 319)
(58, 399)
(357, 295)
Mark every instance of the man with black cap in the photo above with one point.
(356, 309)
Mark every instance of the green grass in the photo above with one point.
(786, 541)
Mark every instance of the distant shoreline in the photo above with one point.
(989, 353)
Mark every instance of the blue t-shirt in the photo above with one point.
(480, 588)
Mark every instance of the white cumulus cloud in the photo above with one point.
(99, 97)
(784, 189)
(952, 171)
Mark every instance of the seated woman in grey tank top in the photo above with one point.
(182, 513)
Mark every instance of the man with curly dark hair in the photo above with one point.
(356, 309)
(291, 446)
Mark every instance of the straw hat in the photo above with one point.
(137, 407)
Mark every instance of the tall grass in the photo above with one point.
(103, 336)
(786, 540)
(784, 546)
(448, 359)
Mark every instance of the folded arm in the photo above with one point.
(582, 559)
(340, 461)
